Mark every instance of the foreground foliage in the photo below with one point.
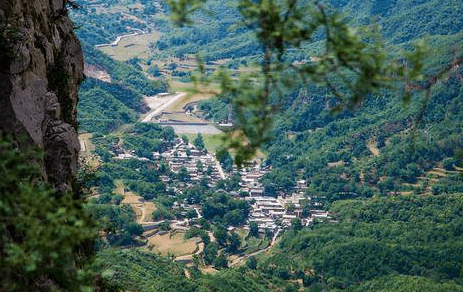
(46, 238)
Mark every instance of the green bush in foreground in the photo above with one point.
(45, 236)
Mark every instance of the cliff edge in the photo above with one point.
(41, 66)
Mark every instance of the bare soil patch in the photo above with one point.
(97, 73)
(373, 149)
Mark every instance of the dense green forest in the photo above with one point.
(415, 236)
(388, 169)
(46, 237)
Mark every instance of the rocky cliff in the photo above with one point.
(41, 66)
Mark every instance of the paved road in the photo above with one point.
(162, 102)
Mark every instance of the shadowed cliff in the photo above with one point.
(41, 66)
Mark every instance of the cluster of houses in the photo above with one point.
(272, 213)
(185, 154)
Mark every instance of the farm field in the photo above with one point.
(174, 244)
(140, 207)
(131, 47)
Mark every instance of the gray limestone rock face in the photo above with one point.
(41, 67)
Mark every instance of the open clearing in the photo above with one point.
(174, 244)
(96, 72)
(131, 47)
(373, 149)
(208, 270)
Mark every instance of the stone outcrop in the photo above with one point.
(41, 66)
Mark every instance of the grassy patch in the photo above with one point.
(252, 244)
(264, 243)
(241, 232)
(212, 142)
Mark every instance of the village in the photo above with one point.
(191, 166)
(270, 213)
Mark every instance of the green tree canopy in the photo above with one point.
(199, 142)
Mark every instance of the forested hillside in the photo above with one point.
(104, 106)
(388, 169)
(413, 236)
(384, 145)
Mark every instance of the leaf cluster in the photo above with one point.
(46, 238)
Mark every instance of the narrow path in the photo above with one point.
(199, 214)
(239, 260)
(162, 104)
(275, 238)
(142, 219)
